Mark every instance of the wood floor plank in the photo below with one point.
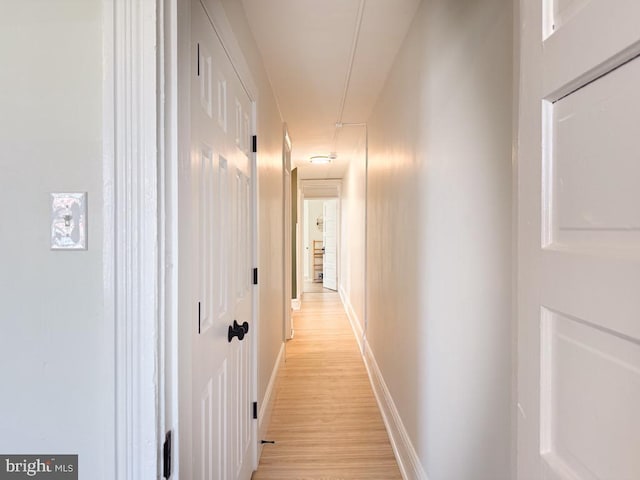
(325, 421)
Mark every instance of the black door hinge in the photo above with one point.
(255, 410)
(198, 60)
(255, 276)
(166, 456)
(254, 148)
(199, 317)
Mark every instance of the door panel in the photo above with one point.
(579, 241)
(589, 376)
(221, 243)
(221, 224)
(220, 426)
(594, 162)
(206, 223)
(596, 38)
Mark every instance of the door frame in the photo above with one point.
(287, 333)
(323, 190)
(297, 302)
(133, 160)
(145, 136)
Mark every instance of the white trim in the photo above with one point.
(406, 455)
(108, 173)
(168, 160)
(266, 406)
(353, 318)
(131, 229)
(296, 304)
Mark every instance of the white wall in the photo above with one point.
(56, 347)
(352, 234)
(439, 239)
(270, 192)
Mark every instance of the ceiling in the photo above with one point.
(327, 61)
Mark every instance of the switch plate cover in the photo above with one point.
(69, 221)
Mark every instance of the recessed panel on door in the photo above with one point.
(207, 430)
(206, 80)
(221, 85)
(206, 264)
(223, 235)
(239, 405)
(238, 234)
(238, 119)
(559, 12)
(242, 235)
(246, 225)
(594, 162)
(220, 429)
(588, 376)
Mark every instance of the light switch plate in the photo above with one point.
(69, 221)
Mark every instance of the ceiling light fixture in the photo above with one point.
(319, 159)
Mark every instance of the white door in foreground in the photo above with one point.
(330, 241)
(579, 240)
(217, 252)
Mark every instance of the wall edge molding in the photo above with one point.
(408, 461)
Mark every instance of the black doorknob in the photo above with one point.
(244, 326)
(237, 330)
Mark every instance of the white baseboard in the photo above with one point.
(266, 405)
(353, 318)
(405, 453)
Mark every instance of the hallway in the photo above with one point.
(325, 422)
(160, 166)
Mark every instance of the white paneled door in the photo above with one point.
(220, 228)
(579, 240)
(330, 241)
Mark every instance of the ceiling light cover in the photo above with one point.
(320, 159)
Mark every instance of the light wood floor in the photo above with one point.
(326, 421)
(315, 287)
